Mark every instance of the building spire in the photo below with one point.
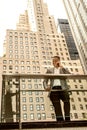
(23, 21)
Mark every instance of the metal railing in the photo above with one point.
(76, 83)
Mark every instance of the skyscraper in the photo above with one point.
(29, 50)
(64, 27)
(77, 15)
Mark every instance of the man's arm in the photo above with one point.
(46, 82)
(65, 70)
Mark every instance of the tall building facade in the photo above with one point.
(77, 15)
(29, 50)
(64, 28)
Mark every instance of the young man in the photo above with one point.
(59, 88)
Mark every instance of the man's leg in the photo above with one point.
(65, 98)
(57, 106)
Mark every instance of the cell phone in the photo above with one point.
(58, 64)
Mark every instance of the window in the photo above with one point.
(23, 92)
(41, 99)
(35, 86)
(51, 107)
(32, 116)
(37, 99)
(86, 106)
(21, 38)
(16, 67)
(23, 86)
(22, 67)
(77, 93)
(23, 99)
(30, 99)
(29, 80)
(84, 115)
(21, 34)
(72, 99)
(4, 67)
(24, 107)
(16, 38)
(79, 99)
(25, 116)
(73, 107)
(76, 70)
(38, 107)
(22, 62)
(16, 51)
(79, 81)
(4, 61)
(75, 115)
(29, 86)
(53, 115)
(43, 116)
(76, 86)
(30, 92)
(10, 56)
(85, 99)
(16, 62)
(28, 62)
(10, 38)
(38, 116)
(10, 67)
(36, 93)
(10, 61)
(28, 67)
(26, 38)
(81, 86)
(31, 107)
(42, 107)
(81, 106)
(23, 80)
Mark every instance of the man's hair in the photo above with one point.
(56, 57)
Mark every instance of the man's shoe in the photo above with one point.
(67, 118)
(60, 119)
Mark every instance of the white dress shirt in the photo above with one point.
(57, 82)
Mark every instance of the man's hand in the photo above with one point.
(48, 88)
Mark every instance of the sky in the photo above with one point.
(11, 9)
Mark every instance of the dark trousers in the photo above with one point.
(55, 97)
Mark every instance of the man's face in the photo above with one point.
(56, 62)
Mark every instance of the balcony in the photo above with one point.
(25, 87)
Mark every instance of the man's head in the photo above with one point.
(56, 61)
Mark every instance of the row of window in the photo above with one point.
(31, 93)
(30, 86)
(40, 116)
(21, 34)
(33, 56)
(35, 68)
(22, 52)
(76, 115)
(79, 99)
(80, 106)
(21, 62)
(38, 107)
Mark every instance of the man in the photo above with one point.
(58, 90)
